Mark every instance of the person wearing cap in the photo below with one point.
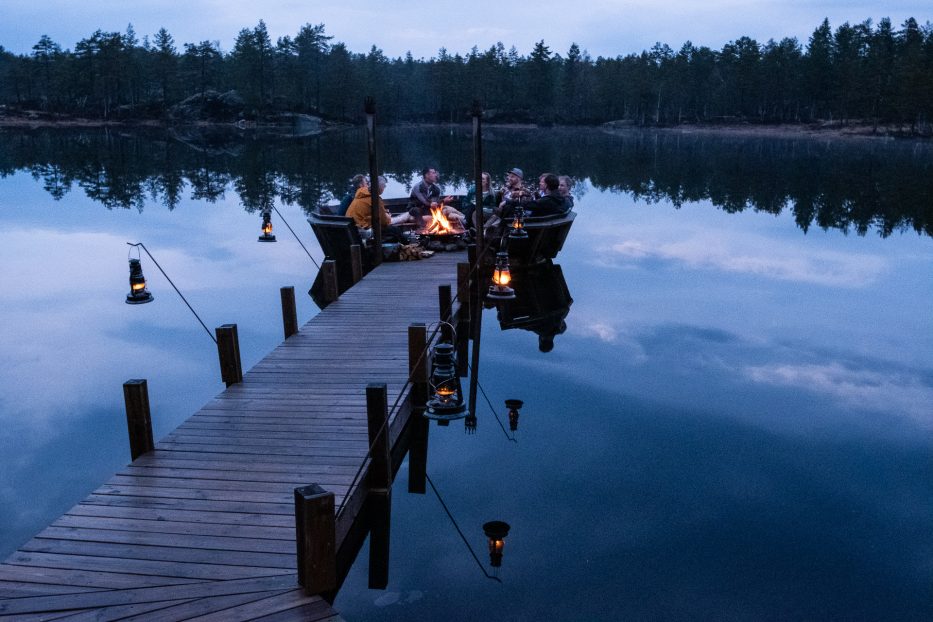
(513, 183)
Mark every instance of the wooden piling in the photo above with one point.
(377, 414)
(228, 348)
(138, 418)
(289, 311)
(379, 481)
(477, 113)
(329, 273)
(445, 304)
(418, 455)
(379, 511)
(315, 535)
(418, 364)
(463, 291)
(356, 262)
(369, 106)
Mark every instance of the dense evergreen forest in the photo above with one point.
(865, 73)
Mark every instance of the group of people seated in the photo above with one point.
(552, 197)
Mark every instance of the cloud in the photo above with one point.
(865, 389)
(754, 255)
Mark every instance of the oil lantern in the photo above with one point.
(501, 277)
(267, 227)
(446, 402)
(138, 293)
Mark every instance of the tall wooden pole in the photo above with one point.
(370, 106)
(477, 112)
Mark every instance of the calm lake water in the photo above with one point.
(736, 422)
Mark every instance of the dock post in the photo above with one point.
(228, 347)
(329, 272)
(418, 364)
(463, 317)
(377, 414)
(289, 311)
(315, 534)
(138, 418)
(356, 262)
(369, 107)
(443, 296)
(463, 291)
(379, 481)
(418, 375)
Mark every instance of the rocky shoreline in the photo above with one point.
(295, 124)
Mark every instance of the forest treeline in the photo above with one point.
(866, 72)
(853, 186)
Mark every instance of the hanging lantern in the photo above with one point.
(138, 293)
(496, 531)
(513, 406)
(501, 277)
(446, 402)
(267, 227)
(517, 230)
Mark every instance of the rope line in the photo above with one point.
(296, 237)
(459, 531)
(209, 333)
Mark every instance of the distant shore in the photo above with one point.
(32, 120)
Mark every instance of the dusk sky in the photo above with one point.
(602, 27)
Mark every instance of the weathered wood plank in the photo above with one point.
(180, 532)
(109, 598)
(162, 569)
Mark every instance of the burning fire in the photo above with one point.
(439, 224)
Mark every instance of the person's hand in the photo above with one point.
(448, 199)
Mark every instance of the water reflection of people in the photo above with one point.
(542, 303)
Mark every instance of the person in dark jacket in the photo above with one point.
(427, 192)
(551, 203)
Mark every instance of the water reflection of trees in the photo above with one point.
(853, 185)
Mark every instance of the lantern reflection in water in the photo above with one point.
(496, 531)
(513, 406)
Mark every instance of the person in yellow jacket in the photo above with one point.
(360, 211)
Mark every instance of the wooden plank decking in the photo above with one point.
(203, 528)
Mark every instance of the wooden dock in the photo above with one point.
(203, 526)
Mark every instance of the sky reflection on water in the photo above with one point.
(735, 424)
(69, 341)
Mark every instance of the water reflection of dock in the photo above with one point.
(203, 526)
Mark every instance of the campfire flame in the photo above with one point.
(439, 224)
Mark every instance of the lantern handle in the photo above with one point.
(438, 324)
(139, 245)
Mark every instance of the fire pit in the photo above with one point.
(440, 233)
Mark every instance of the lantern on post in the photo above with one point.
(501, 277)
(267, 227)
(514, 406)
(496, 531)
(446, 401)
(517, 230)
(138, 293)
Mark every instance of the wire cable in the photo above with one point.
(140, 244)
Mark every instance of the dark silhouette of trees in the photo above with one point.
(857, 73)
